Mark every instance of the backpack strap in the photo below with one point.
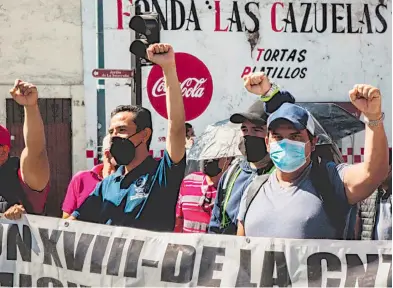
(336, 213)
(253, 189)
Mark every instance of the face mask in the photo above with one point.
(123, 150)
(211, 168)
(255, 148)
(288, 155)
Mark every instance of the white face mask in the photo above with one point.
(288, 155)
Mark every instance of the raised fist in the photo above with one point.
(257, 83)
(367, 99)
(24, 93)
(161, 54)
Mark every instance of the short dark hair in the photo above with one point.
(188, 126)
(142, 118)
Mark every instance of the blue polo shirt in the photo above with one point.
(145, 198)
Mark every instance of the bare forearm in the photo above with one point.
(176, 116)
(33, 131)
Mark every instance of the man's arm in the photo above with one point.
(240, 229)
(91, 207)
(34, 160)
(163, 55)
(361, 180)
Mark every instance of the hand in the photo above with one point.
(14, 212)
(257, 83)
(367, 99)
(161, 54)
(24, 93)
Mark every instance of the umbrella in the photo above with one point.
(337, 122)
(219, 140)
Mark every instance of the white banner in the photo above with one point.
(48, 252)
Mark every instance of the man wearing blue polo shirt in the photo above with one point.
(143, 192)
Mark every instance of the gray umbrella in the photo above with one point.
(219, 140)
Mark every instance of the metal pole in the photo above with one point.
(138, 68)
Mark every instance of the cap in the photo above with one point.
(5, 136)
(298, 116)
(255, 114)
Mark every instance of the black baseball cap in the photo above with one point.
(255, 114)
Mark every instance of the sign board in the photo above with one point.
(112, 73)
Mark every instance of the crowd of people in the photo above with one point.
(281, 187)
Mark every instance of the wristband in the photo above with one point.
(274, 89)
(374, 123)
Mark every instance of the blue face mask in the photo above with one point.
(288, 155)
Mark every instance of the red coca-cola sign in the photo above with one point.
(195, 82)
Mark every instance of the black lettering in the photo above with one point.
(349, 20)
(366, 14)
(98, 253)
(70, 284)
(194, 18)
(75, 259)
(274, 72)
(45, 281)
(271, 260)
(187, 260)
(14, 239)
(244, 274)
(25, 280)
(133, 255)
(252, 16)
(335, 17)
(6, 279)
(50, 246)
(302, 56)
(305, 19)
(267, 54)
(174, 15)
(290, 19)
(253, 70)
(295, 73)
(324, 18)
(157, 8)
(292, 56)
(276, 53)
(303, 73)
(209, 265)
(314, 269)
(279, 76)
(387, 258)
(357, 272)
(235, 18)
(115, 256)
(381, 18)
(287, 76)
(146, 6)
(283, 54)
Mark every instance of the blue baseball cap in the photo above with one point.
(296, 115)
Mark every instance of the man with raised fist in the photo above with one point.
(21, 177)
(143, 192)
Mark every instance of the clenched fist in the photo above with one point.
(24, 93)
(368, 100)
(14, 212)
(161, 54)
(257, 83)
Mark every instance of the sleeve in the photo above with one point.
(243, 206)
(215, 219)
(91, 206)
(281, 97)
(70, 200)
(336, 176)
(169, 172)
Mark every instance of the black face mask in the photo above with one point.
(211, 168)
(123, 150)
(255, 148)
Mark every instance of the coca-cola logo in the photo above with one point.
(196, 86)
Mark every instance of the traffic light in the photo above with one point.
(147, 27)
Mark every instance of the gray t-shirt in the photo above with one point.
(292, 212)
(383, 229)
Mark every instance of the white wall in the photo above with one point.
(41, 42)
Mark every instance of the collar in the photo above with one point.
(144, 167)
(97, 170)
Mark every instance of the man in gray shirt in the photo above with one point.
(288, 205)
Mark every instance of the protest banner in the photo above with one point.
(47, 252)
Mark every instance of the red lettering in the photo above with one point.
(260, 51)
(273, 16)
(120, 14)
(246, 71)
(218, 18)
